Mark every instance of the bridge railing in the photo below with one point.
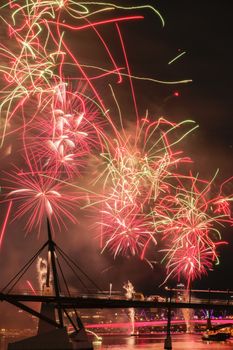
(94, 294)
(193, 296)
(173, 295)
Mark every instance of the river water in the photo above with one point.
(152, 342)
(156, 342)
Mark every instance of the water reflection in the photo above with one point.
(156, 342)
(131, 341)
(150, 342)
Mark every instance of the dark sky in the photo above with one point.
(203, 29)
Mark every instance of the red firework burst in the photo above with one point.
(37, 196)
(125, 229)
(192, 230)
(65, 133)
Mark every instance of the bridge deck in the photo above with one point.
(104, 302)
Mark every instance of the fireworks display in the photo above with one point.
(191, 228)
(144, 191)
(38, 197)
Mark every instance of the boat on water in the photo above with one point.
(218, 333)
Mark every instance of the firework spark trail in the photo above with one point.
(31, 287)
(31, 67)
(5, 222)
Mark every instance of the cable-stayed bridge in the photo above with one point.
(57, 302)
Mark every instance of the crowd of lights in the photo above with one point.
(144, 192)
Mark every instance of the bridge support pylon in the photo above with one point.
(209, 325)
(168, 340)
(47, 310)
(48, 337)
(168, 343)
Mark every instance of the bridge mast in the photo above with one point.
(52, 260)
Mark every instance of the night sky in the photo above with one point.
(203, 29)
